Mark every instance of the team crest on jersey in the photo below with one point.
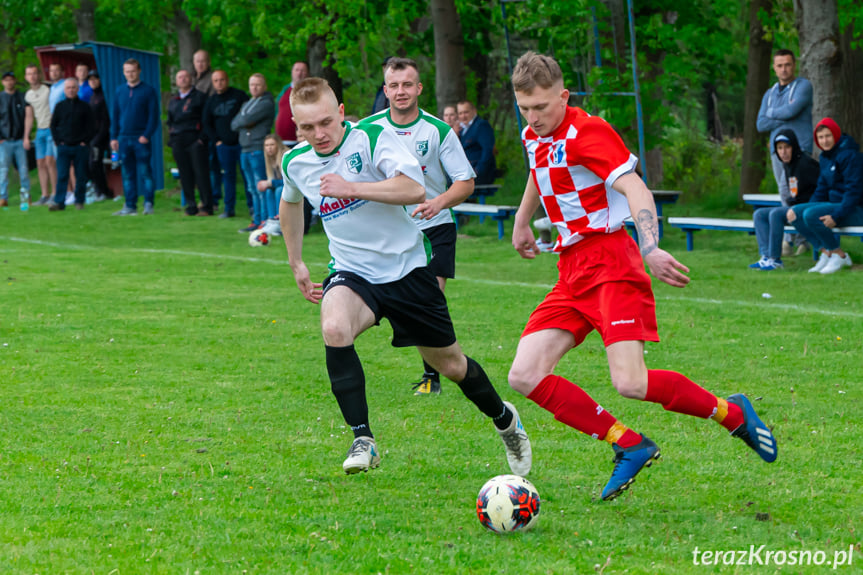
(423, 147)
(355, 163)
(556, 154)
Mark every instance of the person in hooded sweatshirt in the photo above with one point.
(253, 122)
(837, 200)
(801, 177)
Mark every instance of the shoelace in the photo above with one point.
(424, 380)
(358, 447)
(513, 440)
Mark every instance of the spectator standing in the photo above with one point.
(82, 72)
(450, 116)
(38, 96)
(285, 127)
(477, 138)
(136, 119)
(204, 83)
(72, 128)
(188, 144)
(203, 73)
(100, 142)
(253, 123)
(56, 76)
(801, 174)
(219, 111)
(787, 104)
(837, 200)
(16, 121)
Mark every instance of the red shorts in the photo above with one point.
(602, 286)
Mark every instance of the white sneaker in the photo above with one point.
(362, 456)
(272, 227)
(836, 263)
(822, 261)
(517, 444)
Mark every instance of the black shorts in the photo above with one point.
(442, 239)
(414, 305)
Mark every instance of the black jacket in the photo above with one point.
(12, 114)
(802, 167)
(218, 113)
(101, 120)
(185, 115)
(72, 123)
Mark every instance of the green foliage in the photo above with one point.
(708, 173)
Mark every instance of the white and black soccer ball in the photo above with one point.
(507, 503)
(259, 238)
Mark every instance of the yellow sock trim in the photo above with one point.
(721, 411)
(615, 432)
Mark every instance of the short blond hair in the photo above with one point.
(310, 90)
(534, 70)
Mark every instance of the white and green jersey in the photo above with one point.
(438, 150)
(377, 241)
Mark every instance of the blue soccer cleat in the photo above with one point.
(753, 431)
(627, 463)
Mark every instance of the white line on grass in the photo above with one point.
(545, 287)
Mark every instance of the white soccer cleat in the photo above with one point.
(514, 437)
(836, 263)
(822, 261)
(362, 456)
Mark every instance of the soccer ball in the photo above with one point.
(507, 503)
(259, 238)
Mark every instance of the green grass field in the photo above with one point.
(166, 409)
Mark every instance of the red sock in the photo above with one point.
(678, 393)
(572, 406)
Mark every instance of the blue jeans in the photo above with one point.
(79, 156)
(14, 150)
(809, 224)
(45, 144)
(135, 161)
(215, 173)
(229, 158)
(271, 199)
(769, 229)
(254, 171)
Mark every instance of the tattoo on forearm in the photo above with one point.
(648, 231)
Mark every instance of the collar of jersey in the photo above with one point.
(390, 119)
(347, 126)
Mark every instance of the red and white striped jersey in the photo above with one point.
(573, 169)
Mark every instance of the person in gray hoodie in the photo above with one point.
(253, 122)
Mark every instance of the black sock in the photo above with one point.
(430, 372)
(348, 383)
(477, 388)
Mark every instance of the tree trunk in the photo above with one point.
(754, 161)
(613, 35)
(449, 54)
(320, 67)
(85, 21)
(851, 111)
(820, 55)
(188, 40)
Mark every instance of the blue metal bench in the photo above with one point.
(497, 213)
(692, 225)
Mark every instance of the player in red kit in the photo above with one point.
(585, 178)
